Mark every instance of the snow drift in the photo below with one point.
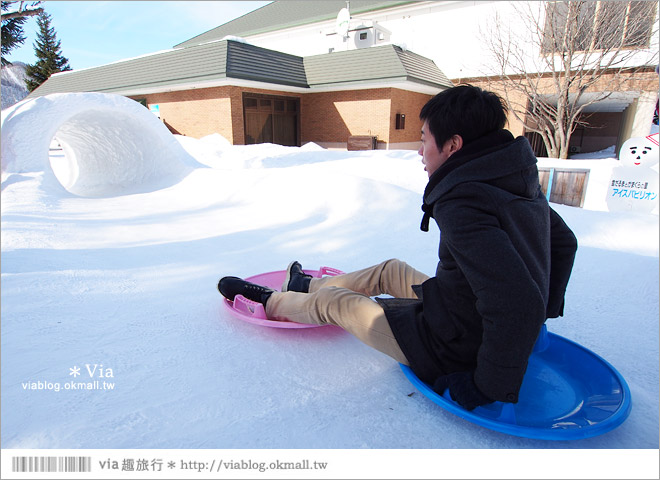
(128, 283)
(113, 145)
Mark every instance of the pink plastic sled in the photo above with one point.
(253, 312)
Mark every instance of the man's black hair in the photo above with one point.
(465, 110)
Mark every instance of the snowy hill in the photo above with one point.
(125, 282)
(13, 84)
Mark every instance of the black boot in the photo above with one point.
(296, 280)
(229, 287)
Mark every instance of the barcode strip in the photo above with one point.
(51, 464)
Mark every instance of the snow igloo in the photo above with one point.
(91, 144)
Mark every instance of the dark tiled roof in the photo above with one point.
(198, 64)
(387, 63)
(287, 14)
(260, 64)
(219, 61)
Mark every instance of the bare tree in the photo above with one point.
(566, 56)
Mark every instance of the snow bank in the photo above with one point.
(112, 145)
(128, 283)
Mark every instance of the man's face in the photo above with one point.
(432, 156)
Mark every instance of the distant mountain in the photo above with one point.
(13, 84)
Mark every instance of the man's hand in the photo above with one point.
(462, 390)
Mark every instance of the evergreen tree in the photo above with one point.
(12, 36)
(47, 50)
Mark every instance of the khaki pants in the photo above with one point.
(344, 300)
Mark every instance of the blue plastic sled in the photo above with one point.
(568, 393)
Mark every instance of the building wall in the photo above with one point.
(326, 118)
(201, 112)
(331, 117)
(637, 118)
(408, 104)
(426, 28)
(605, 128)
(454, 34)
(195, 113)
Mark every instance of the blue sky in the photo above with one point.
(95, 33)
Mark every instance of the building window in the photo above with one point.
(572, 26)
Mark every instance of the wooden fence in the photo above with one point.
(564, 186)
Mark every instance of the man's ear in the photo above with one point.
(454, 144)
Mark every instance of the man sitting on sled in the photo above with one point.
(505, 260)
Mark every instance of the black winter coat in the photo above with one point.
(505, 259)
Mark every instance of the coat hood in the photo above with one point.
(497, 159)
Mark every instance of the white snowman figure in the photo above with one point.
(634, 185)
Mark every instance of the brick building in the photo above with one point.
(287, 73)
(251, 94)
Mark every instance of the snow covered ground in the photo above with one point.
(126, 284)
